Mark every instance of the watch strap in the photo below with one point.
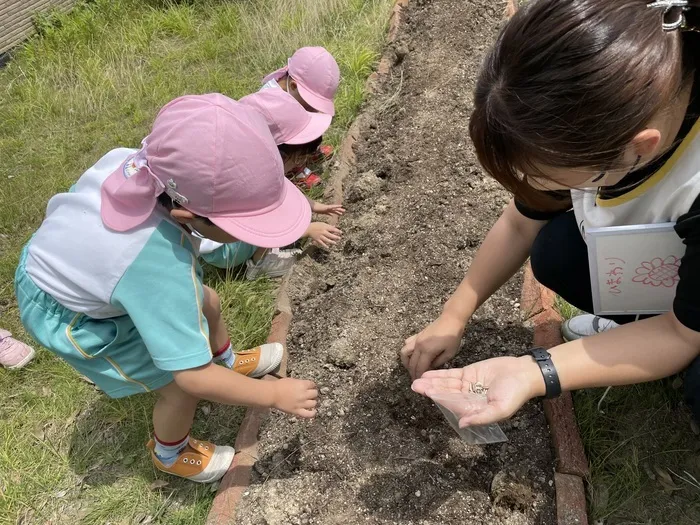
(549, 373)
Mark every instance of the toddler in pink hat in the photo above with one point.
(110, 282)
(295, 131)
(311, 76)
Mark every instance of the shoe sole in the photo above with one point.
(217, 467)
(24, 361)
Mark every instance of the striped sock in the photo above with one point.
(225, 356)
(167, 452)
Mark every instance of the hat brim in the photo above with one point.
(275, 75)
(315, 128)
(275, 228)
(316, 101)
(124, 214)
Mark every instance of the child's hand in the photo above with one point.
(323, 234)
(296, 396)
(327, 209)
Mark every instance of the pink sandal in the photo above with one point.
(13, 353)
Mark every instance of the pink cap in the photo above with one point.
(317, 76)
(288, 121)
(215, 157)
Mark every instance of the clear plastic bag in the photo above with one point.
(455, 405)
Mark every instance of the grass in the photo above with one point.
(644, 458)
(93, 80)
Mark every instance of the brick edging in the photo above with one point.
(571, 467)
(237, 479)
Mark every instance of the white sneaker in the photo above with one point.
(585, 325)
(259, 361)
(275, 263)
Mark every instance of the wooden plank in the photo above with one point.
(23, 8)
(27, 12)
(16, 19)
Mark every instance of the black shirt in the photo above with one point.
(686, 305)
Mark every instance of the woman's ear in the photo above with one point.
(646, 143)
(182, 215)
(292, 83)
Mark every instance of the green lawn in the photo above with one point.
(93, 81)
(644, 457)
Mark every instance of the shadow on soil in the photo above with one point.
(399, 457)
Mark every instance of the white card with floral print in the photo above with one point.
(634, 269)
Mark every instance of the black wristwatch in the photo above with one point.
(551, 378)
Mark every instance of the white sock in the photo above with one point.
(167, 452)
(225, 357)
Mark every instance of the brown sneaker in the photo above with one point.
(258, 361)
(199, 461)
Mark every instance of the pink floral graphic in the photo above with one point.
(658, 272)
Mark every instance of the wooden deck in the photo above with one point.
(16, 19)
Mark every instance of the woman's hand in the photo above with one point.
(327, 209)
(434, 346)
(511, 382)
(323, 234)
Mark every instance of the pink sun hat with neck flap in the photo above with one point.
(216, 158)
(317, 76)
(288, 121)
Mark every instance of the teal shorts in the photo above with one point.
(110, 352)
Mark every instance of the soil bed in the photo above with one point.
(419, 206)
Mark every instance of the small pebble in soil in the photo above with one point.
(325, 390)
(418, 494)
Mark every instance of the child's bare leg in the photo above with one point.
(218, 333)
(172, 449)
(255, 362)
(173, 413)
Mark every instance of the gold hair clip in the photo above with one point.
(675, 10)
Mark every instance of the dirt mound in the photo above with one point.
(420, 205)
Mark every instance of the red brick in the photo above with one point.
(547, 326)
(237, 479)
(571, 500)
(531, 295)
(395, 19)
(566, 438)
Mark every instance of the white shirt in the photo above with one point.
(272, 83)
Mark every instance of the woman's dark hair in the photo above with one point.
(300, 149)
(569, 83)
